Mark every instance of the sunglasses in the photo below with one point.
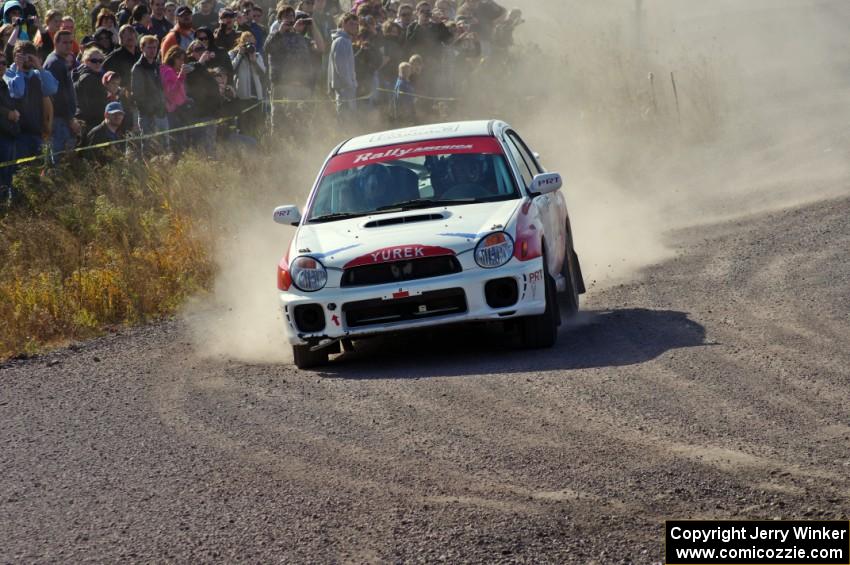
(202, 38)
(96, 61)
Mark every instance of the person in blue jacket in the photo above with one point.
(404, 109)
(24, 16)
(30, 88)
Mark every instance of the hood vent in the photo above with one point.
(402, 220)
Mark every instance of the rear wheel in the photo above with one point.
(306, 359)
(541, 331)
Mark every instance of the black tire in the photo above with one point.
(306, 359)
(541, 331)
(570, 304)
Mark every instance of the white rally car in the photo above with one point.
(425, 226)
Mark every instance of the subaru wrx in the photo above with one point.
(426, 226)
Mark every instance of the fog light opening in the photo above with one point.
(501, 293)
(310, 318)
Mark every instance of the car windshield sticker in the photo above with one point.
(451, 146)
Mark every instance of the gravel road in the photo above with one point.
(715, 385)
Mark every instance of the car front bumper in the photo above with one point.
(424, 302)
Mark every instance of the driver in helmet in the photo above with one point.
(377, 187)
(467, 174)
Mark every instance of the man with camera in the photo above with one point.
(486, 14)
(202, 88)
(426, 36)
(225, 34)
(31, 88)
(292, 64)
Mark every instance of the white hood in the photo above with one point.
(458, 229)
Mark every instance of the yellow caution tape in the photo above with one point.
(21, 160)
(367, 97)
(414, 95)
(315, 100)
(130, 139)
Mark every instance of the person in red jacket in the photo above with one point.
(183, 33)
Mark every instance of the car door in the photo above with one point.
(552, 207)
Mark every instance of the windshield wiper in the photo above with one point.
(336, 216)
(425, 203)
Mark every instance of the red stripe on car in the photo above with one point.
(398, 253)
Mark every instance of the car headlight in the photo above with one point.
(308, 274)
(494, 250)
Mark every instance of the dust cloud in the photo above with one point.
(758, 122)
(240, 318)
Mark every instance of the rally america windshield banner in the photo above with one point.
(451, 146)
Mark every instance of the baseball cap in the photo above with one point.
(114, 108)
(226, 13)
(183, 10)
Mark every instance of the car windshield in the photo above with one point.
(413, 175)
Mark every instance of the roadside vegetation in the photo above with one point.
(86, 249)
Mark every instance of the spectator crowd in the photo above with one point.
(214, 73)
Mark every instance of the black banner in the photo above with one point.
(741, 542)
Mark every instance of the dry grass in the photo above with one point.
(108, 246)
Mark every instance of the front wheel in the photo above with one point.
(571, 291)
(306, 359)
(538, 332)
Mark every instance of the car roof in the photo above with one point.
(419, 133)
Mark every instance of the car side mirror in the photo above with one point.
(287, 215)
(545, 183)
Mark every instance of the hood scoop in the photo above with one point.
(403, 220)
